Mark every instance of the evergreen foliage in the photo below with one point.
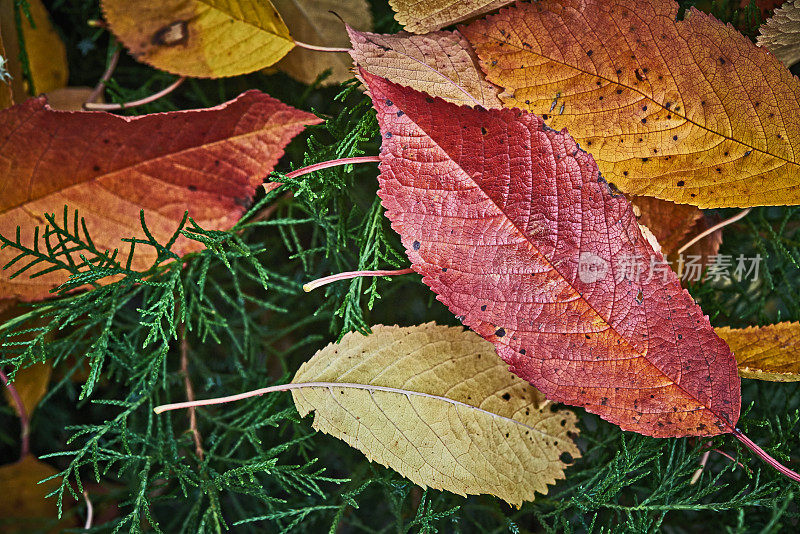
(233, 318)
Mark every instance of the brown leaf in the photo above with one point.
(781, 34)
(24, 508)
(109, 168)
(440, 63)
(6, 93)
(428, 15)
(69, 98)
(318, 23)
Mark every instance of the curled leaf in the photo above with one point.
(689, 111)
(200, 38)
(109, 168)
(781, 34)
(441, 64)
(512, 226)
(436, 404)
(769, 352)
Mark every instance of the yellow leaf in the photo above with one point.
(31, 384)
(781, 34)
(200, 38)
(24, 508)
(429, 15)
(316, 23)
(684, 110)
(47, 56)
(440, 63)
(438, 405)
(769, 352)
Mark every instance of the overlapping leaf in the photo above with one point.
(512, 226)
(436, 404)
(428, 15)
(319, 23)
(201, 38)
(781, 34)
(109, 168)
(769, 352)
(441, 64)
(689, 111)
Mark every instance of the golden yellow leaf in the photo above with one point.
(316, 23)
(24, 508)
(689, 111)
(438, 405)
(428, 15)
(440, 63)
(200, 38)
(31, 384)
(769, 352)
(781, 33)
(47, 56)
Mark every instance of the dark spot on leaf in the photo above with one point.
(429, 100)
(644, 121)
(388, 135)
(483, 130)
(389, 102)
(522, 351)
(192, 188)
(400, 113)
(681, 183)
(483, 308)
(172, 34)
(619, 91)
(589, 52)
(96, 168)
(674, 137)
(500, 332)
(506, 396)
(565, 457)
(415, 245)
(680, 336)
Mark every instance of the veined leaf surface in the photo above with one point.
(108, 167)
(436, 404)
(769, 352)
(200, 38)
(689, 111)
(515, 230)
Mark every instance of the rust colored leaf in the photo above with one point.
(671, 223)
(689, 111)
(781, 34)
(440, 63)
(514, 229)
(109, 168)
(769, 352)
(428, 15)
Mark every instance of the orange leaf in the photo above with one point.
(109, 168)
(688, 111)
(440, 63)
(514, 229)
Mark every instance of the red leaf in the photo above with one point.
(108, 167)
(498, 213)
